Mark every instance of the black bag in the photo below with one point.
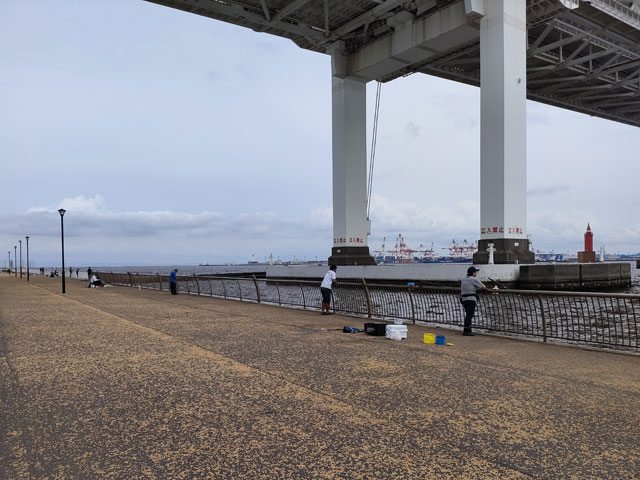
(376, 329)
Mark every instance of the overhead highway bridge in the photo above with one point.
(581, 55)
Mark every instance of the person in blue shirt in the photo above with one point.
(173, 282)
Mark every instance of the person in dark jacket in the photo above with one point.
(468, 287)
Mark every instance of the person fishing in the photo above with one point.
(173, 282)
(468, 288)
(325, 289)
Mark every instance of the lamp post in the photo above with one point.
(9, 269)
(62, 211)
(27, 237)
(15, 256)
(20, 242)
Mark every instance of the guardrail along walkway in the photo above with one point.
(605, 320)
(126, 383)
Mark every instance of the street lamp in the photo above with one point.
(62, 211)
(15, 255)
(9, 269)
(20, 242)
(27, 237)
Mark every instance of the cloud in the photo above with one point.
(413, 129)
(563, 229)
(92, 231)
(538, 114)
(423, 224)
(467, 123)
(77, 204)
(213, 76)
(95, 233)
(550, 190)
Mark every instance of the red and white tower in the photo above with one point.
(588, 240)
(588, 255)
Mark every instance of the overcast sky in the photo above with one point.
(170, 138)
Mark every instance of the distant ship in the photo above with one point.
(546, 257)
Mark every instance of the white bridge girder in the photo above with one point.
(590, 44)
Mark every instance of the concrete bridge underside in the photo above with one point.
(582, 55)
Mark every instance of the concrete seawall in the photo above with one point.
(544, 276)
(575, 276)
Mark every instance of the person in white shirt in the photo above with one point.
(325, 289)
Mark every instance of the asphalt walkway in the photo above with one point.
(126, 383)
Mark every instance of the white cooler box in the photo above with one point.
(396, 332)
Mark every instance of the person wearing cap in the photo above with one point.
(468, 287)
(325, 289)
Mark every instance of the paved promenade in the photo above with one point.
(126, 383)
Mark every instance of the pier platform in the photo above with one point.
(125, 383)
(540, 276)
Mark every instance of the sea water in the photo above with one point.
(231, 269)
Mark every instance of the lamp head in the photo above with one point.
(62, 211)
(27, 237)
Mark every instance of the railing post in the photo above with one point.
(197, 283)
(239, 289)
(413, 309)
(304, 301)
(255, 282)
(544, 321)
(278, 290)
(159, 280)
(366, 292)
(130, 279)
(224, 288)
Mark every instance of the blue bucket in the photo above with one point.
(440, 340)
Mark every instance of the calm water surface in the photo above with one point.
(231, 269)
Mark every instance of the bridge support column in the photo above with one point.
(503, 148)
(350, 224)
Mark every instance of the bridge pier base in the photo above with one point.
(508, 250)
(351, 256)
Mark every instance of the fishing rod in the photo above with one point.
(496, 282)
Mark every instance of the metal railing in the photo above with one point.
(598, 319)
